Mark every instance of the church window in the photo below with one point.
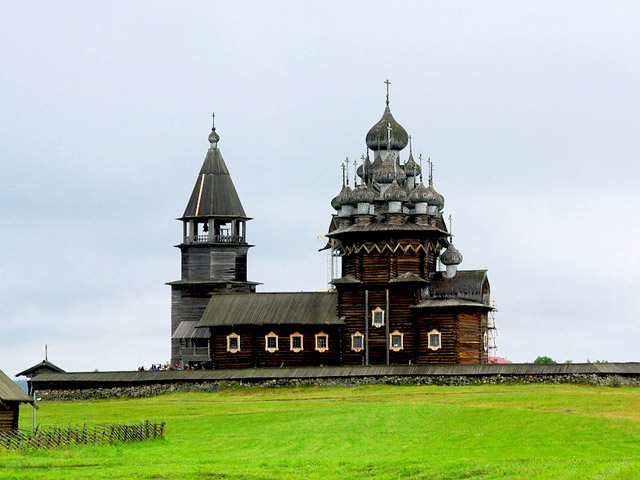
(271, 342)
(233, 343)
(435, 339)
(377, 317)
(322, 342)
(357, 341)
(296, 342)
(396, 341)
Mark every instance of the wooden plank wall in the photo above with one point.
(253, 353)
(445, 322)
(9, 416)
(471, 327)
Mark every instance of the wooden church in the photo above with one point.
(391, 304)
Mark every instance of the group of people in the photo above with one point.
(161, 367)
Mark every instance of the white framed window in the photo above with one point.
(377, 317)
(322, 342)
(295, 342)
(435, 340)
(271, 342)
(396, 341)
(357, 342)
(233, 343)
(485, 341)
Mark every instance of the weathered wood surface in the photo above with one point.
(109, 379)
(56, 437)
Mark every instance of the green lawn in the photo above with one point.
(381, 431)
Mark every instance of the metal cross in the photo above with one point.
(388, 83)
(420, 158)
(388, 135)
(342, 165)
(355, 174)
(451, 228)
(213, 127)
(346, 162)
(430, 171)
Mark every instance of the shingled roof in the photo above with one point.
(10, 392)
(214, 194)
(302, 308)
(466, 284)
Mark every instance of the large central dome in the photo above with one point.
(377, 136)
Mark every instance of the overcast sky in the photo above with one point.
(529, 110)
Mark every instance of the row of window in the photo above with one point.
(272, 343)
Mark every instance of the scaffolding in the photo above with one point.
(492, 331)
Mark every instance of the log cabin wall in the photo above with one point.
(9, 416)
(471, 329)
(206, 261)
(401, 319)
(253, 351)
(445, 322)
(351, 306)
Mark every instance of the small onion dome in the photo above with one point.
(366, 166)
(411, 168)
(363, 194)
(421, 194)
(214, 138)
(436, 199)
(343, 198)
(377, 137)
(395, 193)
(451, 256)
(388, 172)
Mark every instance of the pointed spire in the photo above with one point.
(388, 83)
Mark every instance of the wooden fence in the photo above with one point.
(56, 437)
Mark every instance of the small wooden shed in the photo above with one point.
(11, 395)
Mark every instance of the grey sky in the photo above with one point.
(529, 111)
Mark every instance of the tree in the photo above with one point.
(545, 360)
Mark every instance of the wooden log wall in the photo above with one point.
(445, 322)
(9, 416)
(401, 319)
(203, 262)
(254, 354)
(471, 328)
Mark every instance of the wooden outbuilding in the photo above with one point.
(11, 396)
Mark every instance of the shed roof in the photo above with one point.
(187, 329)
(10, 392)
(214, 193)
(301, 308)
(47, 380)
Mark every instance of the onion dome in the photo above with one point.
(435, 199)
(389, 171)
(214, 138)
(411, 168)
(451, 256)
(377, 137)
(363, 194)
(365, 167)
(395, 193)
(421, 194)
(343, 198)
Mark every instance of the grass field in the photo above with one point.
(381, 431)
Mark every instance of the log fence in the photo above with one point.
(56, 437)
